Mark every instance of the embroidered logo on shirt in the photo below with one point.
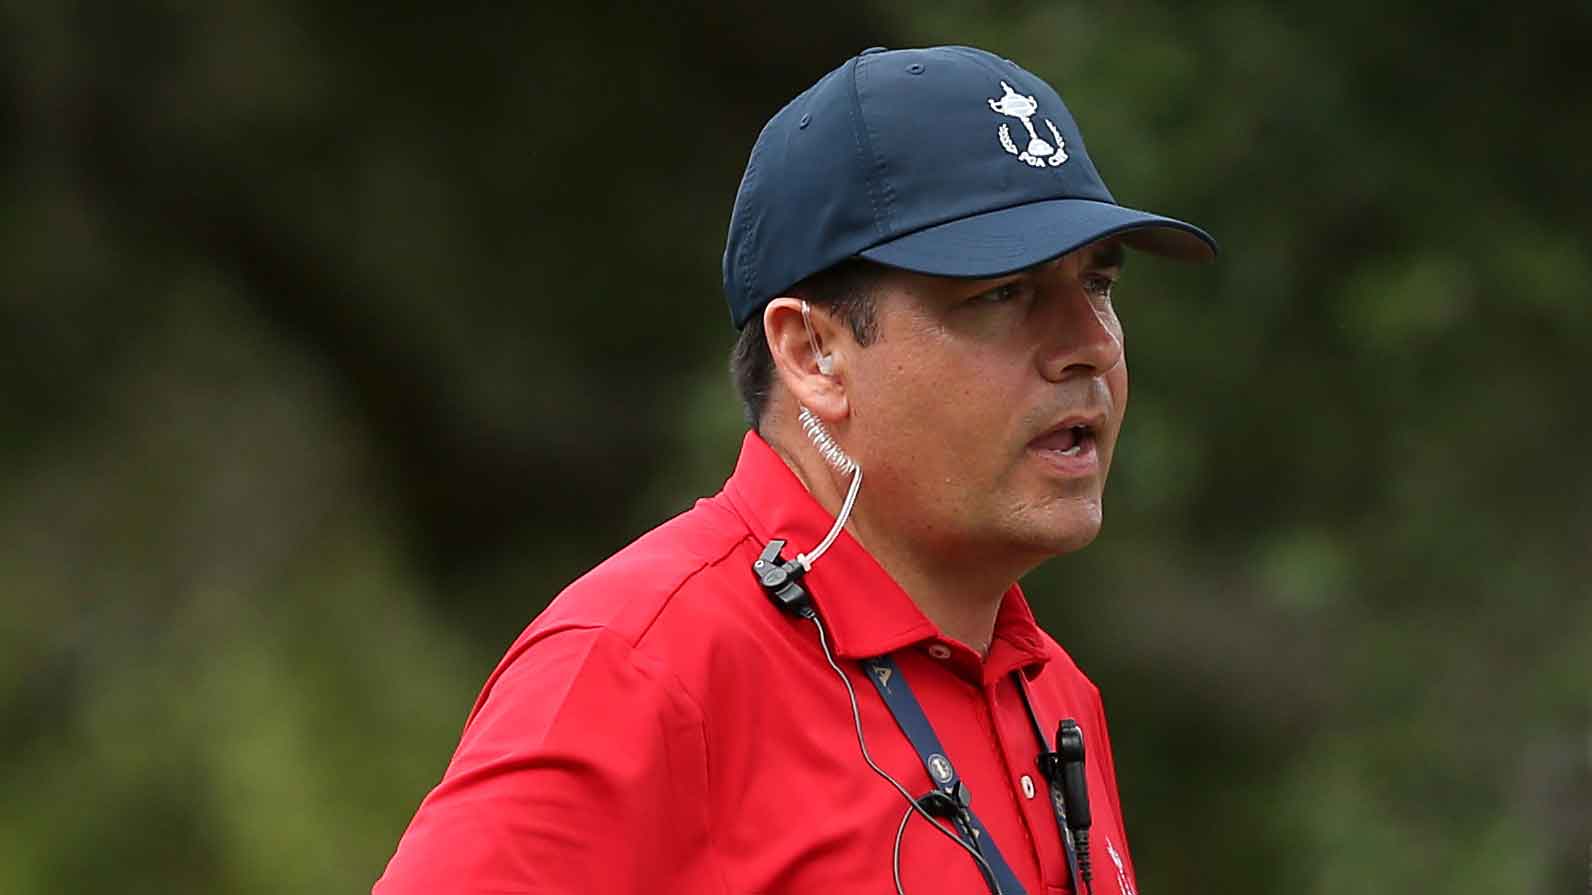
(1123, 882)
(1038, 153)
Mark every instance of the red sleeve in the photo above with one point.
(582, 769)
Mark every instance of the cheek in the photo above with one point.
(928, 409)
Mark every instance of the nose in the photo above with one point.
(1081, 337)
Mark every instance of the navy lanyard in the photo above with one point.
(897, 695)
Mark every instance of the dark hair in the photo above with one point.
(845, 290)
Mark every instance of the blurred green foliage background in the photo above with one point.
(336, 341)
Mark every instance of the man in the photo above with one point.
(921, 259)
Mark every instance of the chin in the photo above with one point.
(1073, 541)
(1068, 531)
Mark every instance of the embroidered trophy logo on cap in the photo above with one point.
(1039, 153)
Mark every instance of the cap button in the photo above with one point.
(871, 50)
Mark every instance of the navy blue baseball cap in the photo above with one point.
(948, 161)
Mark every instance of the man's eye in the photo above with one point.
(1003, 293)
(1098, 287)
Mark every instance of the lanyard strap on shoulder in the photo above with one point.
(908, 712)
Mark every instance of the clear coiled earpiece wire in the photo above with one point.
(835, 456)
(832, 453)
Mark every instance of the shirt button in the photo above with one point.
(939, 651)
(1028, 787)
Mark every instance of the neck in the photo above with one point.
(959, 593)
(962, 596)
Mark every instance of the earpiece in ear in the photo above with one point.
(826, 362)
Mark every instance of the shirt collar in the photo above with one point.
(866, 612)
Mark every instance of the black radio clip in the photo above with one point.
(781, 578)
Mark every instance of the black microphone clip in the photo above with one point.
(952, 805)
(1068, 758)
(780, 578)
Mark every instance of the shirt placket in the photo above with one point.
(1019, 751)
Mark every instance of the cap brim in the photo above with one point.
(996, 243)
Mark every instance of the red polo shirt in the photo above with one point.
(663, 728)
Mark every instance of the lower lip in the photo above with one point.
(1080, 465)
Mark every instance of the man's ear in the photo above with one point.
(798, 358)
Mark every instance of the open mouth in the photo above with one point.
(1068, 441)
